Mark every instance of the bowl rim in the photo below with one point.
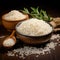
(33, 36)
(15, 20)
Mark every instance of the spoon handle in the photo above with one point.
(12, 34)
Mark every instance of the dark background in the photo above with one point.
(53, 5)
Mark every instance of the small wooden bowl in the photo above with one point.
(10, 25)
(33, 39)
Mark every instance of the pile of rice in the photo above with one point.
(34, 27)
(14, 15)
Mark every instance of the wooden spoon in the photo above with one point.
(10, 40)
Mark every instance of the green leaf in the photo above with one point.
(25, 11)
(36, 13)
(35, 10)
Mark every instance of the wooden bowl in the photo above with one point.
(33, 39)
(10, 25)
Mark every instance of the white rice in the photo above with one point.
(9, 42)
(26, 50)
(34, 27)
(14, 15)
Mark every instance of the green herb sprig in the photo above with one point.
(36, 13)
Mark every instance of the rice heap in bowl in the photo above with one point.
(14, 15)
(10, 19)
(34, 27)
